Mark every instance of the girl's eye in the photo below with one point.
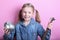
(24, 12)
(29, 12)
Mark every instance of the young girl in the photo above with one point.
(27, 28)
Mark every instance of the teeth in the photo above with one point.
(26, 17)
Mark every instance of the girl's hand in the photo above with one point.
(6, 31)
(50, 22)
(49, 25)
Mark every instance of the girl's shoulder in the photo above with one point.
(17, 24)
(38, 24)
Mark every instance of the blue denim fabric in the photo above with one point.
(29, 32)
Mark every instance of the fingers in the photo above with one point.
(6, 31)
(49, 25)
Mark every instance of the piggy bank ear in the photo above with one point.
(6, 25)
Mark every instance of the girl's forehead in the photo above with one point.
(28, 9)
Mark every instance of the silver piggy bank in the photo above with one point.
(9, 26)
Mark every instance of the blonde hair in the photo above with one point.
(37, 17)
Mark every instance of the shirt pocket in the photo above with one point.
(34, 31)
(34, 34)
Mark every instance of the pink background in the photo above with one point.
(47, 8)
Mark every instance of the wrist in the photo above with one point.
(48, 28)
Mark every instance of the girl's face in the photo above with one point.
(27, 13)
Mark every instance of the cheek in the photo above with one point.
(31, 14)
(23, 14)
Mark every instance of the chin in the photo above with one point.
(27, 19)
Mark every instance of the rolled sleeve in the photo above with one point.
(9, 36)
(45, 35)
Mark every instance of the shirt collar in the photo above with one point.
(32, 21)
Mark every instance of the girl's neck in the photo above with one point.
(26, 22)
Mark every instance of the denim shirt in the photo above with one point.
(29, 32)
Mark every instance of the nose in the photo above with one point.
(26, 13)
